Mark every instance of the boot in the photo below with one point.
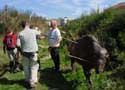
(17, 68)
(11, 67)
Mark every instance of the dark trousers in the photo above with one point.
(54, 51)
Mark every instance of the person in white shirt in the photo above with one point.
(54, 37)
(38, 40)
(27, 43)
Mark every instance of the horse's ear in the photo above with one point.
(71, 46)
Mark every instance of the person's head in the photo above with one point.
(31, 26)
(24, 24)
(53, 24)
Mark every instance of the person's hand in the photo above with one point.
(42, 36)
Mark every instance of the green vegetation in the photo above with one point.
(108, 27)
(65, 80)
(9, 16)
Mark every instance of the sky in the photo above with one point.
(59, 8)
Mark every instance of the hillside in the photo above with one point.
(119, 6)
(108, 27)
(9, 16)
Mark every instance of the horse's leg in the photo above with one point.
(87, 75)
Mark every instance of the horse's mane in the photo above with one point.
(90, 38)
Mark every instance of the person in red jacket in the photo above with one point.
(9, 43)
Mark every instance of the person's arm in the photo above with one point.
(18, 44)
(4, 49)
(4, 46)
(42, 36)
(57, 42)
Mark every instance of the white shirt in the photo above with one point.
(53, 35)
(27, 39)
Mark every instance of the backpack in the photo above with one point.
(10, 40)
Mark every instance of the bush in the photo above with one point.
(108, 27)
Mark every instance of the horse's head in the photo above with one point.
(71, 44)
(103, 59)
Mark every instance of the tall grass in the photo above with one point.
(65, 80)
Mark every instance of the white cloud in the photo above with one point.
(66, 6)
(77, 12)
(37, 11)
(60, 7)
(77, 2)
(41, 14)
(96, 3)
(49, 2)
(55, 4)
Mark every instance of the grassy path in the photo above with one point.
(65, 80)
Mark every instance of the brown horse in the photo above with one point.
(89, 54)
